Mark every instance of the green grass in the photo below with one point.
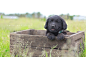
(8, 25)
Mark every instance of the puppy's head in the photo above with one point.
(55, 24)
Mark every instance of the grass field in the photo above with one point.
(9, 25)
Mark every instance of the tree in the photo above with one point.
(71, 17)
(33, 14)
(26, 13)
(62, 15)
(38, 14)
(51, 15)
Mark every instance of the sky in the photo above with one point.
(46, 7)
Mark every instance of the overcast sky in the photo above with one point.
(46, 7)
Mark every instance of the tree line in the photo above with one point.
(38, 15)
(66, 16)
(28, 15)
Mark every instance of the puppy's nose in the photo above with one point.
(53, 26)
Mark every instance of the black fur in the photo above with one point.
(53, 25)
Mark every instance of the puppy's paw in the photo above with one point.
(60, 36)
(50, 36)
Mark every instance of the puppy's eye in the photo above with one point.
(51, 20)
(56, 21)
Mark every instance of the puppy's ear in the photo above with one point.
(46, 24)
(64, 24)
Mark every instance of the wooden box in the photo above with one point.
(34, 43)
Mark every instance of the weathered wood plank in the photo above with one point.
(42, 53)
(38, 41)
(77, 35)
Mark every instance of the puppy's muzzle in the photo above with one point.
(53, 26)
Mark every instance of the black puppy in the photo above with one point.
(55, 26)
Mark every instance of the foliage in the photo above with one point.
(38, 14)
(67, 16)
(71, 17)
